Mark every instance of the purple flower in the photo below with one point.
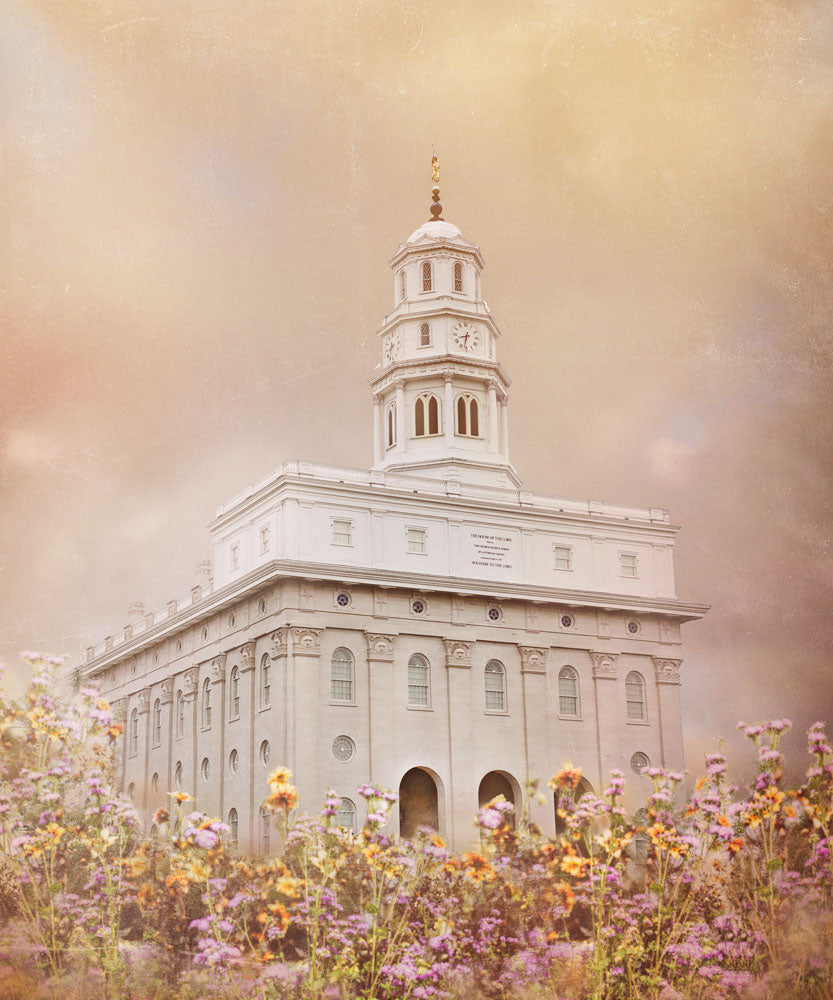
(206, 839)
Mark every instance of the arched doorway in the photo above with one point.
(497, 783)
(582, 788)
(418, 802)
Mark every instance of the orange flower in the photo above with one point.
(477, 868)
(283, 797)
(161, 816)
(181, 797)
(280, 776)
(437, 840)
(568, 777)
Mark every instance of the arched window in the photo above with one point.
(234, 693)
(178, 774)
(568, 700)
(233, 828)
(433, 415)
(391, 425)
(495, 684)
(424, 335)
(346, 815)
(265, 681)
(154, 782)
(418, 681)
(426, 415)
(180, 714)
(134, 732)
(265, 829)
(341, 676)
(206, 704)
(468, 416)
(157, 722)
(635, 695)
(458, 276)
(402, 285)
(427, 276)
(419, 417)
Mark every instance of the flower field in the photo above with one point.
(725, 896)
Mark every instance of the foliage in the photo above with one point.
(726, 897)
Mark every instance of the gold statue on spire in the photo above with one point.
(435, 170)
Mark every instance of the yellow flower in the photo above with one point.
(181, 796)
(280, 776)
(568, 777)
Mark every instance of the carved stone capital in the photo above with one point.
(534, 659)
(167, 691)
(247, 656)
(144, 701)
(280, 640)
(379, 646)
(218, 668)
(604, 666)
(667, 671)
(305, 641)
(190, 680)
(457, 653)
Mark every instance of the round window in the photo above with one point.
(205, 769)
(343, 748)
(633, 627)
(638, 761)
(233, 761)
(494, 614)
(418, 607)
(342, 600)
(567, 621)
(265, 752)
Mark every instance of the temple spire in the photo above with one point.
(436, 207)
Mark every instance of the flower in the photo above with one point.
(567, 777)
(181, 797)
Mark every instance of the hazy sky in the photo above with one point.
(198, 203)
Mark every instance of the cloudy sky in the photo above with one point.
(198, 201)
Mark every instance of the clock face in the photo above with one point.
(466, 337)
(393, 346)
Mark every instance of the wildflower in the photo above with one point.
(181, 797)
(161, 816)
(280, 776)
(568, 777)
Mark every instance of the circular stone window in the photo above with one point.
(342, 600)
(205, 769)
(265, 752)
(567, 621)
(418, 607)
(343, 748)
(638, 761)
(233, 761)
(494, 614)
(633, 627)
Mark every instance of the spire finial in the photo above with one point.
(436, 207)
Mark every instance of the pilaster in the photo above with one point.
(380, 723)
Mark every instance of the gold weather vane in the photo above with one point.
(436, 207)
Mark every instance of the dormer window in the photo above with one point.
(458, 276)
(424, 335)
(427, 276)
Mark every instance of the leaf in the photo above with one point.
(775, 864)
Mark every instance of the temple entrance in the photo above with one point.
(418, 803)
(494, 784)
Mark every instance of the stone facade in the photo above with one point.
(426, 625)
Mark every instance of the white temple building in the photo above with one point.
(427, 625)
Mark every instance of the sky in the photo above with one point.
(198, 203)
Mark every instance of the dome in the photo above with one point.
(436, 230)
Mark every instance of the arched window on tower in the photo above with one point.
(402, 285)
(495, 685)
(635, 696)
(426, 415)
(424, 335)
(391, 425)
(234, 693)
(468, 416)
(157, 723)
(206, 704)
(427, 276)
(568, 696)
(341, 676)
(458, 276)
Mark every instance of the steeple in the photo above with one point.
(440, 395)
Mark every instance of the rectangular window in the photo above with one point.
(264, 539)
(341, 681)
(342, 532)
(235, 557)
(416, 541)
(563, 556)
(627, 564)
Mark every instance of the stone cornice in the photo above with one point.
(453, 365)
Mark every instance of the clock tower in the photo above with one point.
(439, 395)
